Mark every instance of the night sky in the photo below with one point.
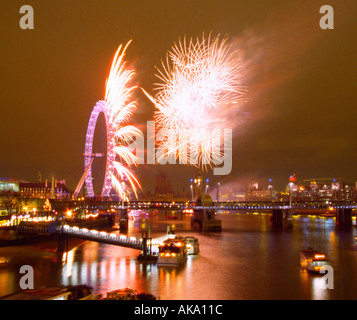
(300, 111)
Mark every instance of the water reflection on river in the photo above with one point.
(247, 260)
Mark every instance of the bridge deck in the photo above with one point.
(105, 205)
(83, 233)
(102, 237)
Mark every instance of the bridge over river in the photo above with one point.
(280, 213)
(342, 210)
(64, 231)
(105, 205)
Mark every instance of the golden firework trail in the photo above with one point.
(119, 96)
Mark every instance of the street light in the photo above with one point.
(270, 187)
(292, 179)
(191, 187)
(290, 194)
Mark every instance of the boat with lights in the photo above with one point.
(172, 252)
(192, 245)
(128, 294)
(312, 260)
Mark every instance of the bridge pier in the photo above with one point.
(146, 254)
(288, 220)
(205, 220)
(277, 218)
(62, 243)
(344, 217)
(145, 249)
(123, 220)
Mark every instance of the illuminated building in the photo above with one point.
(318, 190)
(44, 190)
(9, 185)
(163, 189)
(197, 185)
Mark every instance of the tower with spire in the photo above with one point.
(197, 185)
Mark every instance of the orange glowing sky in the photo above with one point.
(301, 109)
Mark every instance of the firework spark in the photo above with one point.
(119, 97)
(200, 83)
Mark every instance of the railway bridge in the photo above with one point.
(342, 211)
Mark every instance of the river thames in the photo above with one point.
(246, 261)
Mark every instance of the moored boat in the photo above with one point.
(172, 252)
(192, 245)
(128, 294)
(312, 260)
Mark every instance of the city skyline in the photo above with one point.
(298, 117)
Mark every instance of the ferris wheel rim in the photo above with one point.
(100, 107)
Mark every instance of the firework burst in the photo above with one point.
(200, 84)
(119, 97)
